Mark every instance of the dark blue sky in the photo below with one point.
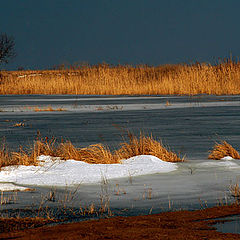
(51, 32)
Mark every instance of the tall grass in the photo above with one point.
(97, 153)
(27, 155)
(94, 154)
(146, 145)
(20, 157)
(219, 79)
(5, 158)
(223, 149)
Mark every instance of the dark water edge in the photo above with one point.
(228, 224)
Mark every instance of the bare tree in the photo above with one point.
(7, 48)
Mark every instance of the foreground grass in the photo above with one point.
(220, 79)
(98, 153)
(223, 149)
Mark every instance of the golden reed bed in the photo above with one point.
(219, 79)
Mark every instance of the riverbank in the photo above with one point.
(167, 225)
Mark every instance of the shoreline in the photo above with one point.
(181, 224)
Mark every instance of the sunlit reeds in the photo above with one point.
(5, 156)
(146, 146)
(20, 157)
(223, 149)
(27, 156)
(191, 79)
(94, 154)
(48, 109)
(97, 153)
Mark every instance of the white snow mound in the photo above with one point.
(70, 172)
(228, 158)
(9, 187)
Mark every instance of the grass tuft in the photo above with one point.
(146, 146)
(45, 146)
(98, 154)
(5, 157)
(66, 150)
(22, 157)
(223, 149)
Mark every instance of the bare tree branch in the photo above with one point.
(7, 48)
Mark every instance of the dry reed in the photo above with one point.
(94, 154)
(48, 109)
(27, 156)
(5, 157)
(100, 154)
(45, 146)
(219, 79)
(223, 149)
(146, 146)
(16, 158)
(235, 190)
(97, 154)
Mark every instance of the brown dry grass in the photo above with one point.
(219, 79)
(20, 157)
(45, 146)
(27, 156)
(48, 109)
(174, 225)
(94, 154)
(98, 154)
(235, 190)
(223, 149)
(5, 158)
(146, 146)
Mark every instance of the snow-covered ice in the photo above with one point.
(70, 172)
(8, 187)
(227, 162)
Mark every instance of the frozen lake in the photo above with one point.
(189, 125)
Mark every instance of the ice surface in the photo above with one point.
(224, 162)
(8, 187)
(86, 104)
(64, 173)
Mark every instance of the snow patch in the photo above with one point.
(54, 172)
(10, 187)
(228, 158)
